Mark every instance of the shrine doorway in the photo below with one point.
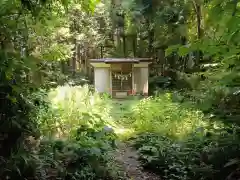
(121, 79)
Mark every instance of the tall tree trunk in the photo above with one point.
(124, 45)
(150, 36)
(115, 4)
(62, 63)
(101, 51)
(74, 57)
(134, 39)
(197, 9)
(25, 48)
(151, 40)
(198, 14)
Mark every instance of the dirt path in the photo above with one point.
(125, 154)
(128, 157)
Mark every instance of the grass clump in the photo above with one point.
(161, 115)
(178, 141)
(70, 107)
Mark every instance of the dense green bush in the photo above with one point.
(200, 156)
(70, 107)
(160, 114)
(218, 94)
(178, 142)
(76, 141)
(85, 157)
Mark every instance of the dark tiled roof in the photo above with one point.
(120, 60)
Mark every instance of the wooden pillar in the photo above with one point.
(144, 80)
(101, 79)
(110, 79)
(134, 89)
(101, 51)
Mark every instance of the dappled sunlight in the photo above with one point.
(75, 77)
(122, 109)
(74, 106)
(162, 116)
(175, 138)
(124, 133)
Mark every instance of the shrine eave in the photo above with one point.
(120, 60)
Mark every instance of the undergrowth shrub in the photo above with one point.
(87, 156)
(219, 90)
(199, 156)
(76, 141)
(84, 157)
(177, 141)
(160, 115)
(69, 108)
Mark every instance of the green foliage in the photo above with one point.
(178, 142)
(84, 157)
(76, 141)
(160, 114)
(69, 108)
(160, 82)
(61, 132)
(200, 156)
(35, 37)
(217, 94)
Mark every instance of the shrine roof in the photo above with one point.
(120, 60)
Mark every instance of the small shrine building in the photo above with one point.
(121, 77)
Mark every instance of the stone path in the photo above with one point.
(128, 157)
